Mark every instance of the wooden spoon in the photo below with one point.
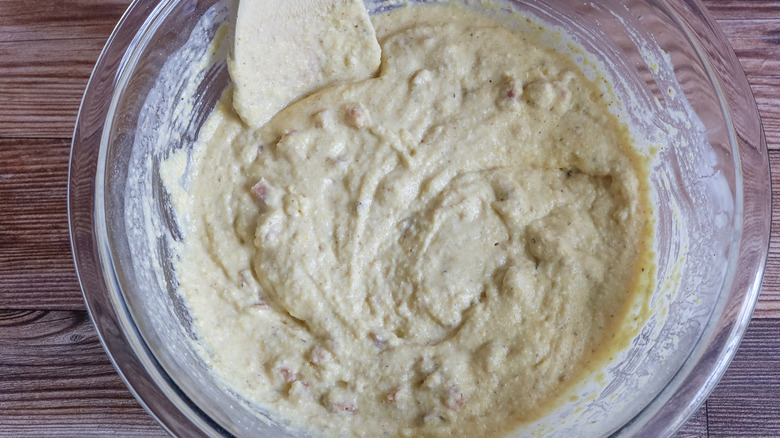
(285, 49)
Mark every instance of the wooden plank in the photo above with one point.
(767, 91)
(756, 43)
(48, 49)
(36, 266)
(769, 301)
(696, 427)
(33, 179)
(58, 19)
(56, 380)
(746, 402)
(742, 9)
(41, 85)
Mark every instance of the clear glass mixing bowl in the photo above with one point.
(151, 91)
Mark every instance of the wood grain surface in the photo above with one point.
(55, 378)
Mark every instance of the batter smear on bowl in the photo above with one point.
(439, 250)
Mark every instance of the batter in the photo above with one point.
(436, 251)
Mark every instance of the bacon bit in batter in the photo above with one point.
(320, 355)
(344, 407)
(355, 116)
(335, 161)
(260, 189)
(394, 394)
(289, 375)
(511, 87)
(379, 341)
(455, 398)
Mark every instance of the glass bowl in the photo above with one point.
(151, 91)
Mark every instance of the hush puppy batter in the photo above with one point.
(438, 250)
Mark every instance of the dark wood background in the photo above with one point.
(56, 380)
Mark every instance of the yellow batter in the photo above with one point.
(435, 251)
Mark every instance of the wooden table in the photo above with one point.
(55, 378)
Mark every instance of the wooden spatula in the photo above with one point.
(285, 49)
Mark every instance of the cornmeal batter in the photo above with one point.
(439, 250)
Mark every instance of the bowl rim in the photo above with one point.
(157, 392)
(747, 265)
(125, 347)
